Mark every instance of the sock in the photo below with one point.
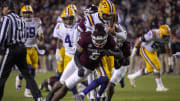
(74, 90)
(137, 74)
(93, 85)
(20, 76)
(104, 82)
(159, 82)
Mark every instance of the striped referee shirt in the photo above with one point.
(12, 30)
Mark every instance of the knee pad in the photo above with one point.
(156, 72)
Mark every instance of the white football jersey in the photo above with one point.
(150, 38)
(69, 36)
(93, 19)
(31, 28)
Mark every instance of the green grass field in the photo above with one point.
(145, 90)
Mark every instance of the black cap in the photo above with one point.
(9, 3)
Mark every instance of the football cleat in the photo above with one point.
(122, 83)
(27, 93)
(39, 99)
(18, 83)
(161, 89)
(132, 81)
(77, 97)
(82, 96)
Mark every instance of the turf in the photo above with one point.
(145, 90)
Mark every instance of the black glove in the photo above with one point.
(156, 45)
(107, 53)
(81, 72)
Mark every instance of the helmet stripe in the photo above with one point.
(168, 29)
(67, 12)
(27, 8)
(110, 5)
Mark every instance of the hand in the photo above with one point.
(110, 28)
(81, 72)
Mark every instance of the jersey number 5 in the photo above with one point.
(67, 40)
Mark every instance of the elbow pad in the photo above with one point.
(77, 59)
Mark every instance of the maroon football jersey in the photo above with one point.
(126, 49)
(91, 55)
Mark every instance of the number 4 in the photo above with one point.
(67, 40)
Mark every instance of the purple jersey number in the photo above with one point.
(31, 32)
(67, 40)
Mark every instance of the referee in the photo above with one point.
(12, 38)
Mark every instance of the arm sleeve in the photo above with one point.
(75, 38)
(77, 59)
(121, 33)
(112, 43)
(56, 31)
(4, 24)
(81, 41)
(147, 37)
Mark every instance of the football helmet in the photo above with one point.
(68, 16)
(72, 6)
(99, 36)
(106, 10)
(27, 11)
(164, 31)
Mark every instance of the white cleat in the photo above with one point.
(27, 93)
(18, 83)
(161, 89)
(132, 81)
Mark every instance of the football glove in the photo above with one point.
(81, 72)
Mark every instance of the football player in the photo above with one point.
(106, 15)
(149, 44)
(34, 32)
(68, 34)
(89, 52)
(120, 63)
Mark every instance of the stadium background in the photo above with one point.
(138, 17)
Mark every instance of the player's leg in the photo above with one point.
(67, 59)
(142, 71)
(70, 82)
(33, 56)
(91, 94)
(118, 75)
(61, 62)
(156, 71)
(101, 81)
(19, 81)
(67, 72)
(153, 65)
